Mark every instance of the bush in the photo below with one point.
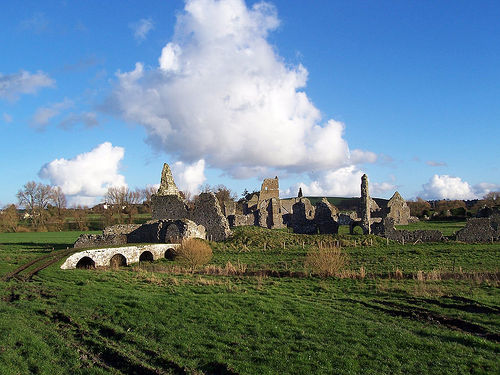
(326, 261)
(194, 253)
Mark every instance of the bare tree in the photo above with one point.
(147, 193)
(9, 218)
(59, 199)
(35, 197)
(81, 217)
(492, 198)
(121, 195)
(419, 207)
(224, 194)
(123, 200)
(58, 211)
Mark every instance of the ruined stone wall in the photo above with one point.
(270, 189)
(167, 184)
(302, 217)
(229, 208)
(286, 205)
(387, 229)
(479, 230)
(398, 210)
(239, 220)
(346, 218)
(120, 229)
(252, 203)
(95, 240)
(365, 205)
(269, 214)
(168, 207)
(208, 213)
(325, 217)
(153, 231)
(166, 231)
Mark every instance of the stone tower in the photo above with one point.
(365, 204)
(167, 184)
(270, 189)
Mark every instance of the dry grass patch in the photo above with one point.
(194, 253)
(228, 270)
(327, 261)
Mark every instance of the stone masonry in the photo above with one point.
(479, 230)
(387, 229)
(398, 209)
(153, 231)
(325, 217)
(168, 205)
(167, 184)
(132, 254)
(208, 213)
(269, 189)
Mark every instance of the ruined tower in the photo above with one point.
(365, 204)
(167, 184)
(270, 189)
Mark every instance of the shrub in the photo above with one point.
(194, 253)
(325, 261)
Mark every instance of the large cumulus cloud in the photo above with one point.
(222, 94)
(87, 176)
(452, 187)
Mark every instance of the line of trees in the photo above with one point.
(456, 208)
(45, 207)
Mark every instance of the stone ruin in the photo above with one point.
(370, 212)
(153, 231)
(386, 228)
(171, 221)
(477, 230)
(167, 204)
(266, 209)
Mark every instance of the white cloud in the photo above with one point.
(433, 163)
(379, 188)
(189, 177)
(89, 119)
(141, 28)
(43, 115)
(7, 118)
(13, 85)
(343, 182)
(87, 176)
(222, 94)
(447, 187)
(484, 188)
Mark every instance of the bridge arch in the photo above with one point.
(117, 260)
(85, 263)
(170, 254)
(146, 256)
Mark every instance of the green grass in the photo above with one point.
(59, 238)
(448, 228)
(133, 320)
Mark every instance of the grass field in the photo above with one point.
(448, 228)
(271, 318)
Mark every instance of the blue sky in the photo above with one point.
(94, 94)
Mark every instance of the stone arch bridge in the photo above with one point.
(119, 256)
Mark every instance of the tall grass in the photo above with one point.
(194, 253)
(324, 262)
